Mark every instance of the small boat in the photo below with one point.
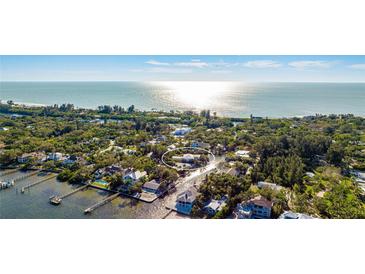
(6, 184)
(55, 200)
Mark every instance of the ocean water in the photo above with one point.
(231, 99)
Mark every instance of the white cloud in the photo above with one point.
(357, 66)
(311, 64)
(169, 70)
(193, 64)
(157, 63)
(262, 64)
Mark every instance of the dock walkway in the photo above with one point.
(25, 176)
(37, 183)
(101, 203)
(56, 200)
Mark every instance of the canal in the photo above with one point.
(34, 202)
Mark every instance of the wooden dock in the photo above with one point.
(25, 176)
(56, 200)
(37, 183)
(8, 172)
(101, 203)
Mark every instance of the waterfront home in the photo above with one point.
(256, 208)
(179, 132)
(101, 184)
(215, 205)
(38, 157)
(294, 215)
(55, 156)
(197, 144)
(273, 186)
(152, 186)
(133, 176)
(185, 201)
(71, 159)
(243, 153)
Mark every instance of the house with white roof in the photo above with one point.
(215, 205)
(55, 156)
(273, 186)
(133, 176)
(243, 153)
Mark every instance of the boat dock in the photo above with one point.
(8, 172)
(25, 176)
(56, 200)
(38, 182)
(101, 203)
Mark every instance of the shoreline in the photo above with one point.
(38, 105)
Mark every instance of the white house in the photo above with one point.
(134, 176)
(55, 156)
(243, 153)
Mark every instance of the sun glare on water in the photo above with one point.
(197, 94)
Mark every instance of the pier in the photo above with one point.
(8, 172)
(38, 182)
(56, 200)
(25, 176)
(101, 203)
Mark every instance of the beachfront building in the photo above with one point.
(273, 186)
(38, 157)
(294, 215)
(179, 132)
(185, 201)
(256, 208)
(152, 187)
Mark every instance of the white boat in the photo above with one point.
(6, 184)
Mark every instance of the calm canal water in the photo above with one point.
(33, 204)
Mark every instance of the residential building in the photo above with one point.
(185, 201)
(181, 131)
(262, 184)
(256, 208)
(243, 153)
(215, 205)
(152, 186)
(293, 215)
(197, 144)
(55, 156)
(133, 176)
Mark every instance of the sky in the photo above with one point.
(250, 68)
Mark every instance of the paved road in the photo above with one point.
(194, 179)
